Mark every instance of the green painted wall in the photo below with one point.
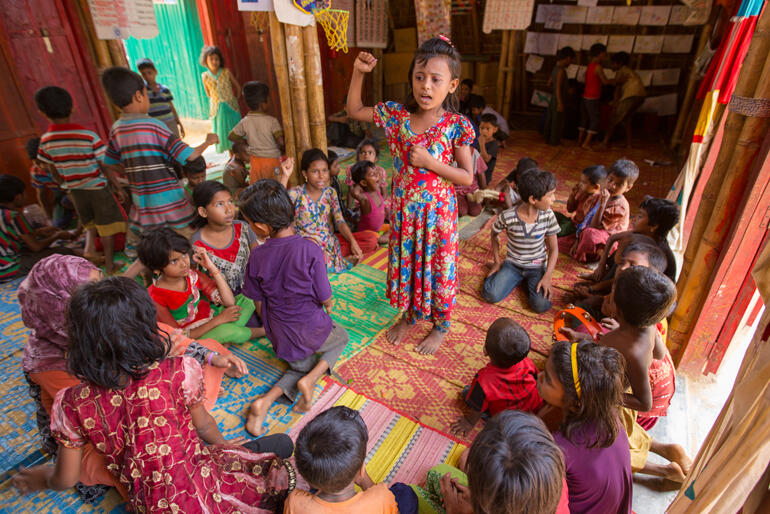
(175, 52)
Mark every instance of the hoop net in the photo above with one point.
(335, 25)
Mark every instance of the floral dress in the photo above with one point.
(315, 220)
(223, 105)
(146, 434)
(423, 247)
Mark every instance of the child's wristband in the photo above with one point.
(210, 357)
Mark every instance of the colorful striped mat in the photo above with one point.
(400, 449)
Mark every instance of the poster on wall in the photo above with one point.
(121, 19)
(434, 17)
(507, 15)
(371, 23)
(255, 5)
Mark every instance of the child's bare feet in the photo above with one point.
(676, 454)
(674, 473)
(396, 333)
(306, 387)
(256, 417)
(431, 343)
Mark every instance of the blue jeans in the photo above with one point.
(498, 286)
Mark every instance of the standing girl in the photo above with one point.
(143, 412)
(228, 241)
(425, 136)
(219, 85)
(317, 209)
(585, 380)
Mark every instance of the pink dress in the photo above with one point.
(146, 434)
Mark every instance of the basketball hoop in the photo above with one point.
(333, 21)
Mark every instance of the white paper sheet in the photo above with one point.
(590, 39)
(540, 98)
(548, 44)
(534, 63)
(507, 15)
(665, 77)
(626, 15)
(601, 15)
(618, 43)
(574, 14)
(575, 41)
(572, 71)
(645, 76)
(648, 44)
(656, 15)
(531, 42)
(581, 74)
(678, 15)
(588, 3)
(678, 44)
(697, 12)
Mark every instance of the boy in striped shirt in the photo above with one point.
(161, 99)
(146, 148)
(532, 249)
(73, 156)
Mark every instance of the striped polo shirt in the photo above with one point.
(160, 104)
(75, 152)
(12, 226)
(146, 148)
(526, 242)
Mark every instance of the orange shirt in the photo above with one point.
(376, 500)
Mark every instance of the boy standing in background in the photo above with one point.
(161, 99)
(554, 118)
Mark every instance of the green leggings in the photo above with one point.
(236, 331)
(565, 224)
(429, 497)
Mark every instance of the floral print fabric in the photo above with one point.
(423, 247)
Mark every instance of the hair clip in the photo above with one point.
(446, 40)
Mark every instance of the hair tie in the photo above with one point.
(575, 376)
(445, 39)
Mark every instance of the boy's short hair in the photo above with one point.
(266, 201)
(331, 449)
(565, 52)
(255, 93)
(595, 174)
(643, 296)
(476, 102)
(239, 145)
(367, 141)
(332, 155)
(662, 213)
(359, 170)
(310, 156)
(10, 187)
(655, 255)
(121, 84)
(142, 64)
(624, 169)
(490, 118)
(156, 245)
(507, 343)
(524, 164)
(32, 146)
(194, 167)
(514, 466)
(535, 183)
(53, 101)
(597, 49)
(621, 58)
(468, 82)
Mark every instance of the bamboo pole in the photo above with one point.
(524, 100)
(739, 148)
(512, 48)
(117, 53)
(278, 47)
(501, 70)
(297, 87)
(315, 87)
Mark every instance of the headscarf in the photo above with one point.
(43, 297)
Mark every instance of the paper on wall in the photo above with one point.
(548, 44)
(590, 39)
(540, 98)
(507, 15)
(588, 3)
(142, 23)
(678, 43)
(655, 15)
(534, 63)
(601, 15)
(645, 76)
(574, 14)
(619, 43)
(678, 15)
(648, 44)
(665, 77)
(697, 11)
(626, 15)
(575, 41)
(581, 74)
(572, 71)
(123, 18)
(550, 16)
(530, 43)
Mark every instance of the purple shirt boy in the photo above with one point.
(288, 275)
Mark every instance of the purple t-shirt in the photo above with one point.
(288, 275)
(598, 479)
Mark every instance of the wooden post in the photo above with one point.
(278, 46)
(501, 71)
(297, 87)
(512, 49)
(727, 184)
(315, 87)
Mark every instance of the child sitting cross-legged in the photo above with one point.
(143, 412)
(532, 248)
(507, 382)
(184, 296)
(330, 455)
(583, 201)
(286, 277)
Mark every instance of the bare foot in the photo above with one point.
(115, 268)
(306, 388)
(676, 454)
(431, 343)
(256, 417)
(257, 332)
(674, 473)
(396, 333)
